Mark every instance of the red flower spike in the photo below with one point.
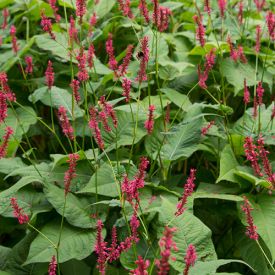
(93, 124)
(80, 9)
(72, 32)
(82, 71)
(143, 60)
(144, 10)
(240, 13)
(252, 155)
(18, 212)
(142, 266)
(46, 24)
(149, 123)
(52, 3)
(222, 7)
(188, 191)
(251, 229)
(5, 14)
(259, 4)
(122, 70)
(200, 31)
(205, 129)
(190, 258)
(164, 14)
(124, 6)
(260, 93)
(67, 129)
(70, 174)
(126, 85)
(29, 67)
(4, 145)
(49, 75)
(270, 21)
(52, 266)
(75, 87)
(166, 244)
(111, 53)
(15, 46)
(3, 107)
(207, 7)
(258, 38)
(246, 94)
(91, 55)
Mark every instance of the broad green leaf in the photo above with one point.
(104, 182)
(74, 267)
(4, 254)
(172, 5)
(5, 3)
(67, 3)
(190, 230)
(7, 165)
(228, 164)
(77, 211)
(181, 100)
(182, 141)
(20, 120)
(56, 97)
(249, 251)
(18, 185)
(124, 133)
(103, 7)
(206, 268)
(264, 218)
(75, 243)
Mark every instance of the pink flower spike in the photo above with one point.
(15, 46)
(126, 85)
(203, 76)
(164, 14)
(111, 53)
(142, 266)
(124, 6)
(124, 66)
(70, 174)
(270, 21)
(143, 60)
(251, 229)
(72, 32)
(207, 6)
(82, 70)
(222, 7)
(240, 13)
(75, 87)
(242, 55)
(3, 107)
(80, 9)
(149, 123)
(93, 124)
(46, 24)
(108, 110)
(52, 266)
(101, 249)
(200, 31)
(91, 55)
(258, 38)
(190, 258)
(52, 3)
(166, 244)
(67, 129)
(5, 14)
(246, 94)
(156, 19)
(144, 10)
(260, 93)
(210, 60)
(18, 212)
(188, 190)
(49, 74)
(29, 67)
(259, 4)
(4, 145)
(252, 155)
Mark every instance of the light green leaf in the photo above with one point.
(7, 165)
(107, 184)
(182, 141)
(190, 230)
(103, 7)
(75, 243)
(58, 97)
(181, 100)
(77, 211)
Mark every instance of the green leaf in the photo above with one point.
(206, 268)
(7, 165)
(56, 97)
(190, 230)
(67, 3)
(182, 141)
(107, 184)
(103, 7)
(74, 267)
(124, 133)
(181, 100)
(75, 243)
(77, 211)
(228, 164)
(4, 254)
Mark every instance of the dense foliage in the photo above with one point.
(137, 137)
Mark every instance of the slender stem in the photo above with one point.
(265, 256)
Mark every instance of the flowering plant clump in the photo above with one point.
(137, 137)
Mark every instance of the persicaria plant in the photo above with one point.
(137, 137)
